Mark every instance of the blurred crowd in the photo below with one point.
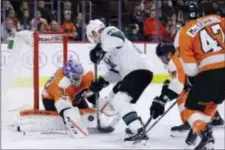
(141, 20)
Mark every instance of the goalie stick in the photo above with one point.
(149, 120)
(101, 129)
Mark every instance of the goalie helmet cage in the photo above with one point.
(15, 97)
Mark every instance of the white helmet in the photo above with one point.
(94, 25)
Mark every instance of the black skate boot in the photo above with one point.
(134, 137)
(191, 138)
(207, 140)
(218, 120)
(179, 130)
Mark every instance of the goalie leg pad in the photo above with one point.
(74, 123)
(72, 119)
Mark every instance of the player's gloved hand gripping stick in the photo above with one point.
(149, 120)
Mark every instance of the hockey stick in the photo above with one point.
(147, 130)
(101, 129)
(166, 112)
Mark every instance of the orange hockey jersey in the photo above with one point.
(201, 44)
(59, 86)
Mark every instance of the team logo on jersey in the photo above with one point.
(58, 57)
(27, 60)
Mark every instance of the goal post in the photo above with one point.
(22, 76)
(64, 40)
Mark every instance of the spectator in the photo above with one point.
(67, 6)
(12, 15)
(68, 26)
(8, 29)
(179, 11)
(148, 5)
(154, 30)
(45, 12)
(216, 9)
(54, 26)
(138, 16)
(166, 11)
(78, 24)
(8, 6)
(172, 27)
(24, 7)
(38, 22)
(133, 32)
(25, 21)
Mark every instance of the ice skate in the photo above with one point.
(179, 130)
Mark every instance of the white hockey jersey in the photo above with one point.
(122, 55)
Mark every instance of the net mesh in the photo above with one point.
(18, 81)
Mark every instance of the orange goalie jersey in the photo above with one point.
(201, 45)
(59, 86)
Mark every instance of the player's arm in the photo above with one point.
(177, 76)
(188, 60)
(85, 92)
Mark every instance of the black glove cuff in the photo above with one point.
(103, 82)
(168, 95)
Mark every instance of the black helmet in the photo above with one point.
(191, 10)
(163, 48)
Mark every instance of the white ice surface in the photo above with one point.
(159, 135)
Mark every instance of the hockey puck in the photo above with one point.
(90, 118)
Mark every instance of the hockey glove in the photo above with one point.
(97, 54)
(168, 93)
(79, 96)
(158, 107)
(97, 86)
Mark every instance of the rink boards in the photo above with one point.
(51, 58)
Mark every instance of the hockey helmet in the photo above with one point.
(73, 70)
(163, 49)
(94, 27)
(191, 10)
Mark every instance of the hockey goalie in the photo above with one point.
(67, 93)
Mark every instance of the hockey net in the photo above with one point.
(33, 59)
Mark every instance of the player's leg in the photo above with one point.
(131, 88)
(177, 130)
(201, 104)
(48, 104)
